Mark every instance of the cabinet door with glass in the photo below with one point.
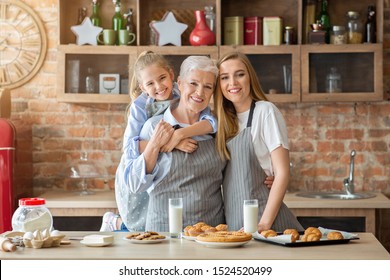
(277, 68)
(342, 73)
(95, 74)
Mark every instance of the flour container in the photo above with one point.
(32, 215)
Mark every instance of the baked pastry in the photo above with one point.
(224, 236)
(195, 231)
(210, 229)
(310, 237)
(334, 235)
(186, 229)
(200, 224)
(294, 234)
(268, 233)
(222, 227)
(313, 230)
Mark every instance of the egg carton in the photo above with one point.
(40, 239)
(52, 241)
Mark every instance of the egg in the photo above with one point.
(28, 235)
(56, 233)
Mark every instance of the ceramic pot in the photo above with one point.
(201, 35)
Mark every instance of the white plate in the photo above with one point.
(222, 244)
(91, 244)
(193, 238)
(136, 241)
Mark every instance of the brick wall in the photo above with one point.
(321, 135)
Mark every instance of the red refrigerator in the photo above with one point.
(7, 155)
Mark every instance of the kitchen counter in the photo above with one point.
(366, 248)
(62, 203)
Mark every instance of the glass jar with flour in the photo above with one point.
(32, 214)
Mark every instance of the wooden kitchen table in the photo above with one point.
(366, 248)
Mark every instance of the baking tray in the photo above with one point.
(298, 243)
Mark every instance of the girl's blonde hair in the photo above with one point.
(145, 59)
(226, 113)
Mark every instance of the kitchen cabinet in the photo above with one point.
(288, 73)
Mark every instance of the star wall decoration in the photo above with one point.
(86, 32)
(168, 30)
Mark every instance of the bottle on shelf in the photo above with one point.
(90, 81)
(333, 81)
(129, 22)
(95, 16)
(118, 22)
(324, 20)
(210, 17)
(354, 28)
(370, 25)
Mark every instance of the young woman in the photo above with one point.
(252, 136)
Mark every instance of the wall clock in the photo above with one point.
(23, 43)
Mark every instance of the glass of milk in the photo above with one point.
(251, 210)
(175, 217)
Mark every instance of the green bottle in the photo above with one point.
(118, 22)
(324, 19)
(95, 17)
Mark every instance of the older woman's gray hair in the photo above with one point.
(198, 62)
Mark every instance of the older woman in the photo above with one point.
(252, 135)
(195, 177)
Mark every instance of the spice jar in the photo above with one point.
(338, 35)
(355, 28)
(333, 81)
(32, 215)
(289, 35)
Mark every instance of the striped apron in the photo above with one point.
(195, 177)
(244, 179)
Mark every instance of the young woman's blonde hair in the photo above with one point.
(226, 113)
(145, 59)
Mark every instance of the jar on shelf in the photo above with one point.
(31, 215)
(91, 81)
(333, 81)
(338, 36)
(289, 35)
(354, 28)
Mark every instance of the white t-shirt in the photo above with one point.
(268, 131)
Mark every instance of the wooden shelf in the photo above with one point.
(362, 72)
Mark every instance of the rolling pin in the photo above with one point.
(6, 245)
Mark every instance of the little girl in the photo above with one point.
(152, 90)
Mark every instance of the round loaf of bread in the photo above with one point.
(224, 236)
(334, 235)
